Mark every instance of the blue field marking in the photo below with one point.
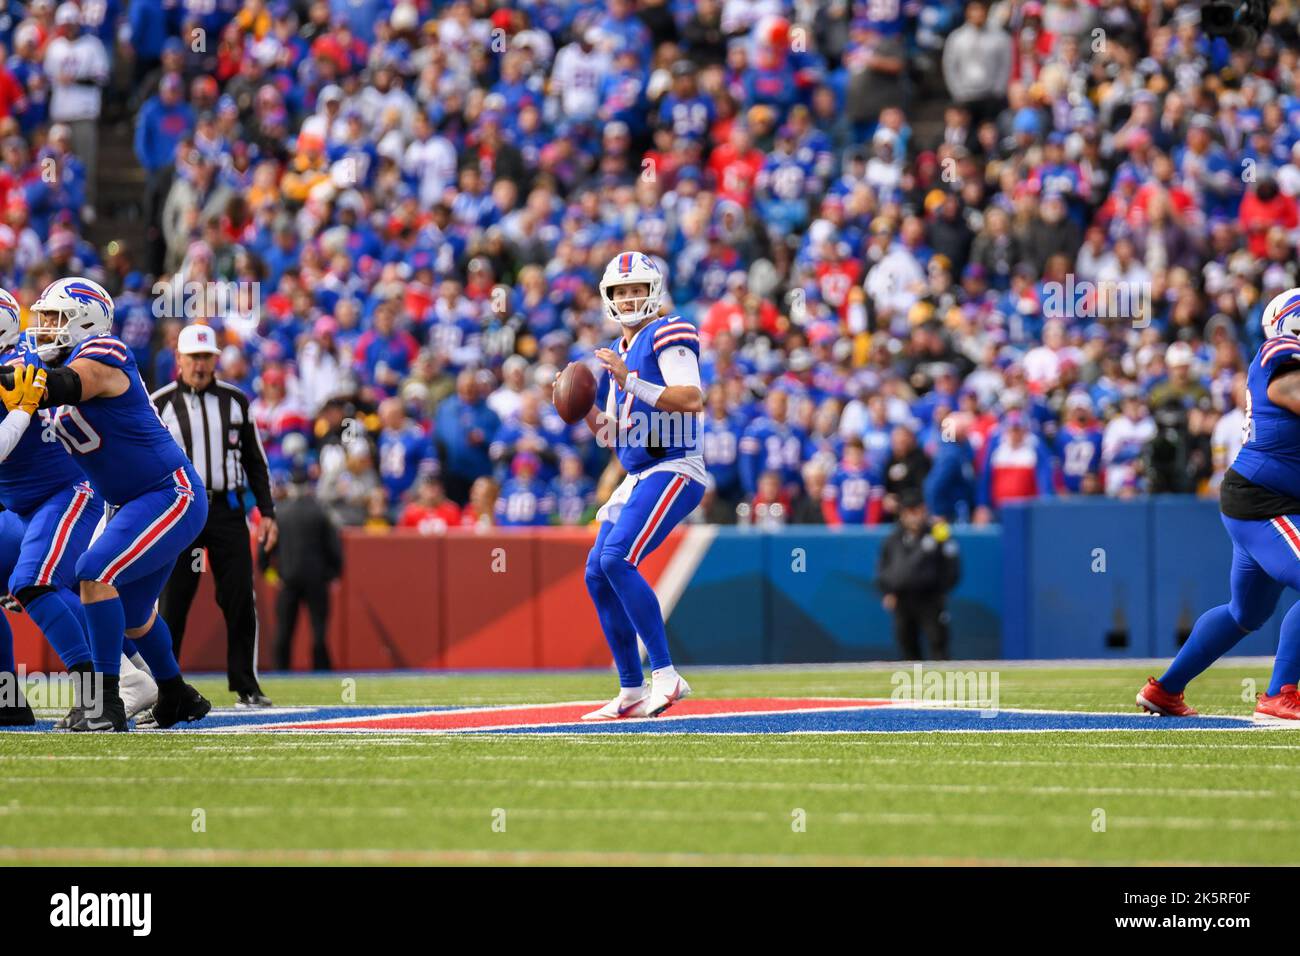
(887, 720)
(893, 718)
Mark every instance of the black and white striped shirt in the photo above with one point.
(216, 431)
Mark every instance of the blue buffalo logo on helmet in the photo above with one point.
(84, 292)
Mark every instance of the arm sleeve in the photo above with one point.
(680, 367)
(11, 431)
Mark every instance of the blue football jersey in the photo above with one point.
(647, 436)
(1270, 455)
(1079, 449)
(120, 443)
(38, 467)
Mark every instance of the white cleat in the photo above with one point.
(621, 707)
(138, 689)
(665, 693)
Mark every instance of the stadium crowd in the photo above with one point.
(984, 252)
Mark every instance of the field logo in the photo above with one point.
(972, 689)
(73, 909)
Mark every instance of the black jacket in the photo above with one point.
(925, 564)
(309, 547)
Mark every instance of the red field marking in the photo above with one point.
(571, 713)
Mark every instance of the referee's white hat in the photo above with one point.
(198, 340)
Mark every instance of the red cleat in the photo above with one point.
(1284, 705)
(1156, 700)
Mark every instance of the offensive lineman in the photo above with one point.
(1260, 501)
(651, 399)
(158, 503)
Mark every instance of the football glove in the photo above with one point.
(27, 390)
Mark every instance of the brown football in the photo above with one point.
(575, 392)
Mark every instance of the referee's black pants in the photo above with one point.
(230, 559)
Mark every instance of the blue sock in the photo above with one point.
(156, 649)
(6, 646)
(641, 605)
(106, 631)
(60, 628)
(619, 632)
(1286, 664)
(1216, 632)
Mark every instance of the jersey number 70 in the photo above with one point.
(75, 432)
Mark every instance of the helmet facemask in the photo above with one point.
(645, 307)
(49, 334)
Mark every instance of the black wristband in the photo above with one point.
(62, 387)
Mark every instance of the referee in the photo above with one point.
(210, 421)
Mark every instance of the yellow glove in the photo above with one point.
(27, 390)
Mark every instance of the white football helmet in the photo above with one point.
(67, 312)
(1282, 314)
(10, 329)
(629, 268)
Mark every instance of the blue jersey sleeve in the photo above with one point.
(676, 331)
(106, 349)
(1277, 354)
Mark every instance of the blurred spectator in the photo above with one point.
(480, 511)
(1017, 466)
(905, 469)
(78, 66)
(431, 512)
(1123, 441)
(347, 492)
(851, 496)
(977, 63)
(808, 506)
(464, 431)
(524, 499)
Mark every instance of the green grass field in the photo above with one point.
(1168, 797)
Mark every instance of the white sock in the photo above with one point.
(631, 693)
(665, 675)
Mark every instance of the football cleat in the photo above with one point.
(73, 717)
(138, 689)
(254, 699)
(1284, 705)
(110, 717)
(179, 705)
(666, 693)
(621, 707)
(1154, 699)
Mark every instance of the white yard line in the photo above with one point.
(781, 817)
(607, 784)
(621, 858)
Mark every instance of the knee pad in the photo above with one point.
(28, 593)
